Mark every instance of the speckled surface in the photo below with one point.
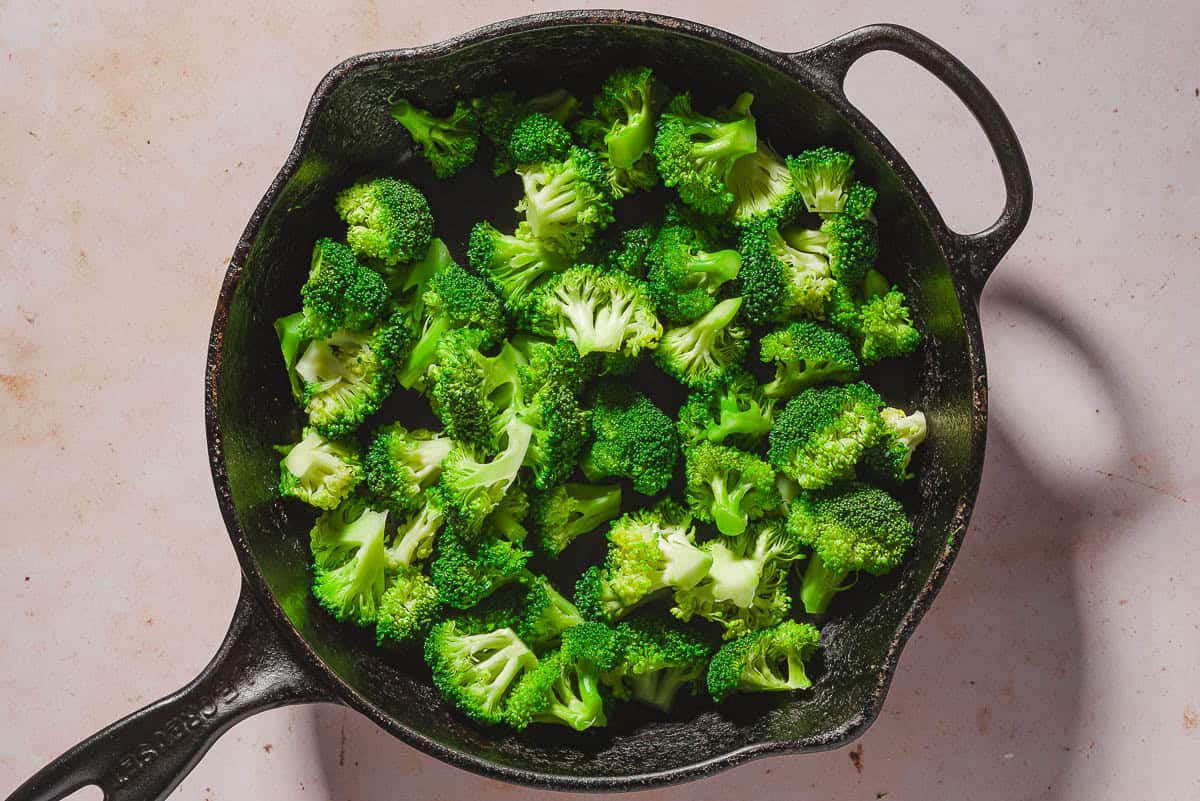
(1058, 663)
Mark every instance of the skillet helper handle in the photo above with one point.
(979, 252)
(144, 756)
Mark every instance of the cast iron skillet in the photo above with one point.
(282, 650)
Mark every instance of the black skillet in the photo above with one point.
(281, 649)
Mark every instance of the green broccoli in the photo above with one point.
(409, 283)
(475, 486)
(349, 375)
(822, 176)
(733, 412)
(851, 246)
(806, 354)
(401, 465)
(408, 609)
(768, 660)
(564, 688)
(318, 471)
(544, 614)
(762, 187)
(598, 311)
(649, 551)
(293, 340)
(340, 293)
(659, 658)
(885, 327)
(745, 587)
(560, 431)
(447, 143)
(779, 282)
(455, 299)
(860, 199)
(621, 128)
(549, 361)
(477, 672)
(507, 520)
(512, 263)
(704, 352)
(696, 153)
(627, 250)
(850, 527)
(349, 562)
(500, 113)
(389, 220)
(566, 202)
(473, 394)
(567, 511)
(633, 439)
(539, 138)
(900, 434)
(822, 432)
(414, 537)
(685, 275)
(728, 487)
(465, 572)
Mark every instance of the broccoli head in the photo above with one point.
(467, 571)
(659, 658)
(684, 277)
(340, 293)
(696, 153)
(318, 471)
(860, 199)
(564, 688)
(779, 282)
(388, 219)
(822, 432)
(633, 438)
(851, 245)
(900, 434)
(293, 340)
(885, 327)
(627, 250)
(762, 187)
(538, 137)
(567, 511)
(598, 311)
(549, 361)
(500, 113)
(822, 176)
(806, 354)
(408, 283)
(733, 412)
(768, 660)
(703, 353)
(348, 561)
(728, 487)
(477, 671)
(850, 527)
(475, 485)
(621, 128)
(401, 465)
(559, 432)
(447, 143)
(566, 202)
(473, 394)
(413, 539)
(408, 609)
(513, 264)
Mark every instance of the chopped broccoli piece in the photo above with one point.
(564, 688)
(888, 460)
(401, 465)
(473, 394)
(548, 361)
(513, 263)
(475, 486)
(860, 199)
(560, 430)
(348, 561)
(447, 143)
(659, 658)
(340, 293)
(477, 672)
(633, 439)
(733, 412)
(762, 187)
(389, 220)
(685, 276)
(704, 352)
(822, 176)
(621, 128)
(806, 354)
(566, 202)
(886, 329)
(567, 511)
(293, 339)
(544, 614)
(779, 282)
(467, 572)
(409, 283)
(539, 138)
(768, 660)
(408, 609)
(728, 487)
(600, 312)
(626, 251)
(318, 471)
(850, 527)
(851, 246)
(500, 113)
(822, 432)
(696, 153)
(414, 538)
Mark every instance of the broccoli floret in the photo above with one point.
(472, 394)
(851, 527)
(567, 511)
(409, 607)
(779, 282)
(806, 354)
(703, 352)
(885, 327)
(842, 312)
(293, 339)
(851, 246)
(349, 375)
(500, 113)
(684, 276)
(512, 263)
(348, 561)
(474, 486)
(696, 153)
(649, 551)
(762, 187)
(401, 465)
(539, 138)
(507, 520)
(728, 487)
(633, 439)
(658, 659)
(860, 199)
(564, 688)
(822, 432)
(544, 614)
(888, 460)
(414, 537)
(340, 293)
(550, 362)
(455, 299)
(409, 283)
(822, 176)
(746, 585)
(389, 220)
(733, 412)
(566, 202)
(560, 430)
(466, 572)
(627, 250)
(598, 311)
(318, 471)
(477, 672)
(769, 660)
(621, 128)
(447, 143)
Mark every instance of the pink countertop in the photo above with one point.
(1061, 661)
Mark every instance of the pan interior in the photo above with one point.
(352, 134)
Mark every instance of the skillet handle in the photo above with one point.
(982, 251)
(144, 756)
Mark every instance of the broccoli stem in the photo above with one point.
(424, 352)
(658, 688)
(629, 143)
(819, 585)
(750, 421)
(713, 269)
(727, 510)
